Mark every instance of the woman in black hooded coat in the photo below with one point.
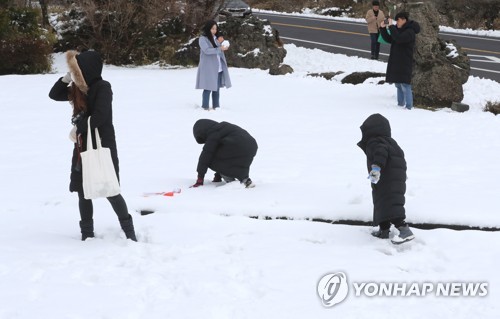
(229, 151)
(90, 95)
(402, 37)
(387, 168)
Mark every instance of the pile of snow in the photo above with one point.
(452, 50)
(482, 33)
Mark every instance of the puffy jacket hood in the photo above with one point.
(201, 129)
(90, 63)
(412, 25)
(375, 125)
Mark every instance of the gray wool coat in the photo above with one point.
(208, 69)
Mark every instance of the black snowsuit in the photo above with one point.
(400, 64)
(382, 150)
(228, 150)
(99, 99)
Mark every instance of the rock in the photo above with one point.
(326, 75)
(281, 70)
(188, 54)
(493, 107)
(360, 77)
(485, 14)
(441, 68)
(254, 44)
(459, 107)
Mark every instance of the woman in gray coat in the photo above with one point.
(212, 70)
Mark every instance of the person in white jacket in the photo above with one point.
(212, 69)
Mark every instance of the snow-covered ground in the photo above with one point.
(199, 256)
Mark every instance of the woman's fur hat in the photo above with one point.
(76, 72)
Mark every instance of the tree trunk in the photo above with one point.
(45, 16)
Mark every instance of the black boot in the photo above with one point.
(381, 233)
(87, 228)
(128, 228)
(217, 178)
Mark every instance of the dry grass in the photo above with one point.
(493, 107)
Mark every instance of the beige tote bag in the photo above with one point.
(99, 176)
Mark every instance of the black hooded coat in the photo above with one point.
(382, 150)
(400, 64)
(99, 107)
(228, 150)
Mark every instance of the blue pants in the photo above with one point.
(405, 95)
(215, 95)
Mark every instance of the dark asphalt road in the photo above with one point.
(351, 38)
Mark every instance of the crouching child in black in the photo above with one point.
(229, 151)
(387, 168)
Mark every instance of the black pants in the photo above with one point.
(87, 210)
(398, 222)
(375, 45)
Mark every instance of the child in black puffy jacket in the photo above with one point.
(387, 168)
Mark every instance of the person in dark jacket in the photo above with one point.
(229, 151)
(387, 171)
(400, 65)
(90, 95)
